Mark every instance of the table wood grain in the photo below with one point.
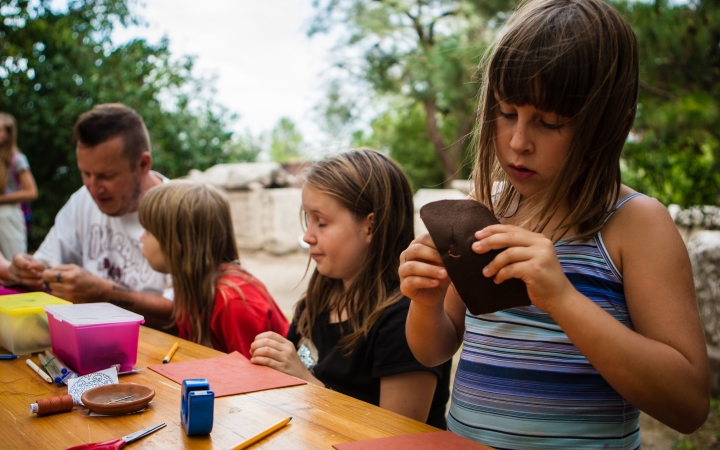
(321, 417)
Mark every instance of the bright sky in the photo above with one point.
(266, 66)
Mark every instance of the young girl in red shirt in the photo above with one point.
(189, 234)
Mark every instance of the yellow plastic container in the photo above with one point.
(24, 323)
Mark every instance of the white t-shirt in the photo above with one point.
(106, 246)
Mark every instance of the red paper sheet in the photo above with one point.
(424, 441)
(230, 374)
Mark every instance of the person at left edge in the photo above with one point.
(92, 253)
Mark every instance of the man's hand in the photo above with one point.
(28, 271)
(75, 284)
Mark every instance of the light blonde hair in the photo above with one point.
(8, 148)
(578, 59)
(364, 181)
(193, 226)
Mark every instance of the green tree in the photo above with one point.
(423, 53)
(401, 132)
(674, 153)
(286, 142)
(56, 65)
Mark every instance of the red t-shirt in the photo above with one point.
(235, 323)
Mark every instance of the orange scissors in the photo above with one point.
(117, 444)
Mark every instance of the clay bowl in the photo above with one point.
(97, 399)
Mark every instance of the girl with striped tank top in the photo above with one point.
(613, 328)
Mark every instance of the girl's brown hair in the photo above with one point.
(194, 229)
(365, 182)
(8, 148)
(578, 59)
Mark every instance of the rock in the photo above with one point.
(243, 176)
(464, 186)
(714, 362)
(424, 196)
(267, 219)
(706, 216)
(282, 220)
(704, 250)
(245, 209)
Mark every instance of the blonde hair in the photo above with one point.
(578, 59)
(194, 229)
(363, 181)
(8, 148)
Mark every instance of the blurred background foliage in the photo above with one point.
(418, 61)
(405, 83)
(675, 151)
(56, 65)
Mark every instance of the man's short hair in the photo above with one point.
(110, 120)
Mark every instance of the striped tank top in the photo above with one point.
(522, 384)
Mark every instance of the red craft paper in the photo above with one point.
(423, 441)
(230, 374)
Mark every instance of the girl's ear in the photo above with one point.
(369, 226)
(179, 247)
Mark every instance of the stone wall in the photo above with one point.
(699, 226)
(267, 219)
(264, 207)
(425, 196)
(704, 250)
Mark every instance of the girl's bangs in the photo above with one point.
(546, 69)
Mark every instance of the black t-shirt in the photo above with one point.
(385, 352)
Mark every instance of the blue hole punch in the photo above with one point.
(198, 403)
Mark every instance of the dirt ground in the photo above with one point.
(283, 277)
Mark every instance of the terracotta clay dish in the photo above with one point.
(107, 399)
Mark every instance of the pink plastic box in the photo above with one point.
(93, 336)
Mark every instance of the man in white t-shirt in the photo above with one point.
(92, 253)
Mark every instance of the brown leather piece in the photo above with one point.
(452, 225)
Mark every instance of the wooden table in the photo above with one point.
(321, 417)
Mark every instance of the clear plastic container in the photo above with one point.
(23, 322)
(93, 336)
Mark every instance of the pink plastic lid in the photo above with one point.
(92, 314)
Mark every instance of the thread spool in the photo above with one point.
(52, 405)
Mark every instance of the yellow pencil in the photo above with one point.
(262, 435)
(170, 354)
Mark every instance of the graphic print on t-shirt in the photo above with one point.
(118, 256)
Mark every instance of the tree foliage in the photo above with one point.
(402, 132)
(422, 53)
(286, 142)
(56, 65)
(418, 58)
(675, 151)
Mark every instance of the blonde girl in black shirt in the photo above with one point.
(348, 331)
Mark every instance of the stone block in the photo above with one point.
(424, 196)
(714, 362)
(704, 251)
(246, 211)
(281, 220)
(243, 176)
(267, 219)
